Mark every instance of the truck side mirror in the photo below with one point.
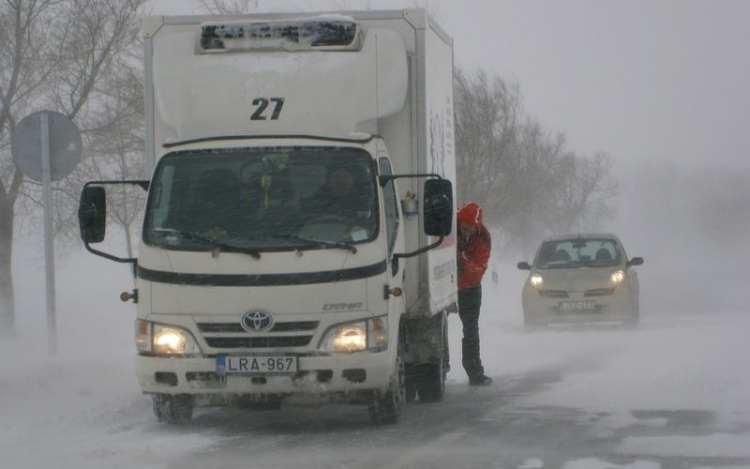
(92, 214)
(438, 207)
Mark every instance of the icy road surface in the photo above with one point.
(674, 393)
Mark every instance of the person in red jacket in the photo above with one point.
(473, 252)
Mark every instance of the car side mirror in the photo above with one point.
(438, 207)
(635, 261)
(92, 214)
(524, 266)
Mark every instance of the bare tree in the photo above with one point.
(548, 189)
(23, 69)
(528, 175)
(118, 151)
(581, 194)
(529, 183)
(53, 54)
(487, 112)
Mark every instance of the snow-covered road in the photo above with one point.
(674, 393)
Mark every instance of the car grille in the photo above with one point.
(600, 292)
(553, 293)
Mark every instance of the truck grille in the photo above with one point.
(234, 327)
(231, 335)
(259, 342)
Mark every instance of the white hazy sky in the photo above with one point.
(639, 79)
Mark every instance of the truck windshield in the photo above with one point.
(251, 199)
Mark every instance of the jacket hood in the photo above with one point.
(471, 213)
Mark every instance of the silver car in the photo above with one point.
(581, 278)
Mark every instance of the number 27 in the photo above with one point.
(262, 105)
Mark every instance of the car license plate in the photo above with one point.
(573, 306)
(256, 364)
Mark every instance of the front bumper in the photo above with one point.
(619, 307)
(316, 375)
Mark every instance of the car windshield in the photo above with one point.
(262, 198)
(573, 253)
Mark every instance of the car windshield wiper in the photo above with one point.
(317, 242)
(216, 245)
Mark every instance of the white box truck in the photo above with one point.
(297, 242)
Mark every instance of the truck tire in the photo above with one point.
(430, 377)
(411, 384)
(385, 408)
(173, 409)
(430, 382)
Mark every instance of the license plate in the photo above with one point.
(256, 365)
(570, 306)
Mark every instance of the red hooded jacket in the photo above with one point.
(473, 252)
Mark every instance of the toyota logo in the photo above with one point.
(256, 321)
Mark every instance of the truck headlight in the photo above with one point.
(369, 334)
(617, 277)
(161, 339)
(536, 280)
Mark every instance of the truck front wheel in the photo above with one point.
(173, 409)
(386, 408)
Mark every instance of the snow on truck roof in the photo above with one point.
(329, 32)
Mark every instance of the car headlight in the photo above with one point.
(368, 334)
(161, 339)
(617, 277)
(536, 280)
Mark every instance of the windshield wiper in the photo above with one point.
(317, 242)
(217, 245)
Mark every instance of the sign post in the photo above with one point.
(49, 241)
(46, 147)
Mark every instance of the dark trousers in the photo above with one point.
(469, 303)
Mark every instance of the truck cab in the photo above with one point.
(281, 259)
